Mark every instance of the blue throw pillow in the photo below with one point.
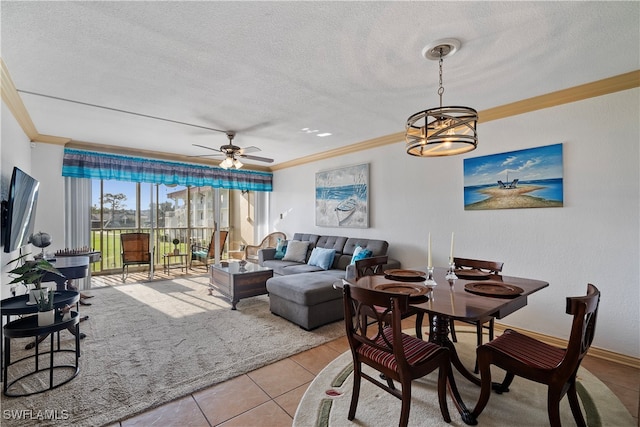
(321, 257)
(360, 253)
(281, 248)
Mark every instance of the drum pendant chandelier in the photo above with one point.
(442, 131)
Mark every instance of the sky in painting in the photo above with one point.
(525, 165)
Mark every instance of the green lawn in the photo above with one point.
(108, 242)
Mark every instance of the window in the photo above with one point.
(166, 212)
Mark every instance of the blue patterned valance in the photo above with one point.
(94, 165)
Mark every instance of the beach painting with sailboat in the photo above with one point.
(342, 197)
(529, 178)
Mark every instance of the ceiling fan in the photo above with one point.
(232, 152)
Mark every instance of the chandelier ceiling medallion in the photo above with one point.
(441, 131)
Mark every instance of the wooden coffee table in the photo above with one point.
(236, 281)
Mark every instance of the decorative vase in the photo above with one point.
(46, 318)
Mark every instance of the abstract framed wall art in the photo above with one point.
(342, 197)
(530, 178)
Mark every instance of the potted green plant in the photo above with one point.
(31, 272)
(46, 313)
(176, 251)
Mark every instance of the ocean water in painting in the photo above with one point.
(552, 189)
(358, 191)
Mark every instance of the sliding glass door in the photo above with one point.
(168, 213)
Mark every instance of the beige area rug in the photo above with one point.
(150, 343)
(326, 401)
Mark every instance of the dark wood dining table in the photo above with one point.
(449, 300)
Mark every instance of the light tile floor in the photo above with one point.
(269, 396)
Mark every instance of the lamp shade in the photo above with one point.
(442, 131)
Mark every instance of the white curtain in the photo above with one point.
(77, 218)
(261, 228)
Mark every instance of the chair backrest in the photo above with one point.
(370, 266)
(135, 247)
(584, 310)
(361, 305)
(212, 243)
(271, 240)
(495, 267)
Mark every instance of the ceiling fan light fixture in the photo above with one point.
(226, 163)
(441, 131)
(231, 162)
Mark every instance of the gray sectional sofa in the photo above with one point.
(304, 293)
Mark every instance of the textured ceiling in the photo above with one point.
(270, 69)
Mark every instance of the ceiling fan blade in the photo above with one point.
(260, 159)
(251, 149)
(208, 148)
(209, 155)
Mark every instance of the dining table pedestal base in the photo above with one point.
(439, 334)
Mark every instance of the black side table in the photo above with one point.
(28, 327)
(17, 306)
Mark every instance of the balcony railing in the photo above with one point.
(107, 241)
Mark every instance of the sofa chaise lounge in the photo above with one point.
(302, 292)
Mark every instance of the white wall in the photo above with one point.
(47, 168)
(594, 238)
(15, 150)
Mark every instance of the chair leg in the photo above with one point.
(484, 362)
(553, 406)
(419, 319)
(355, 394)
(406, 403)
(575, 405)
(491, 329)
(479, 329)
(504, 386)
(390, 383)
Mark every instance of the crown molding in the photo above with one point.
(573, 94)
(13, 101)
(347, 149)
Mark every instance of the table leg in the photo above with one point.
(7, 361)
(440, 335)
(51, 359)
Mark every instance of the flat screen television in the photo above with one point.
(19, 211)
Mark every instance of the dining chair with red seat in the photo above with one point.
(490, 267)
(523, 356)
(396, 355)
(375, 266)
